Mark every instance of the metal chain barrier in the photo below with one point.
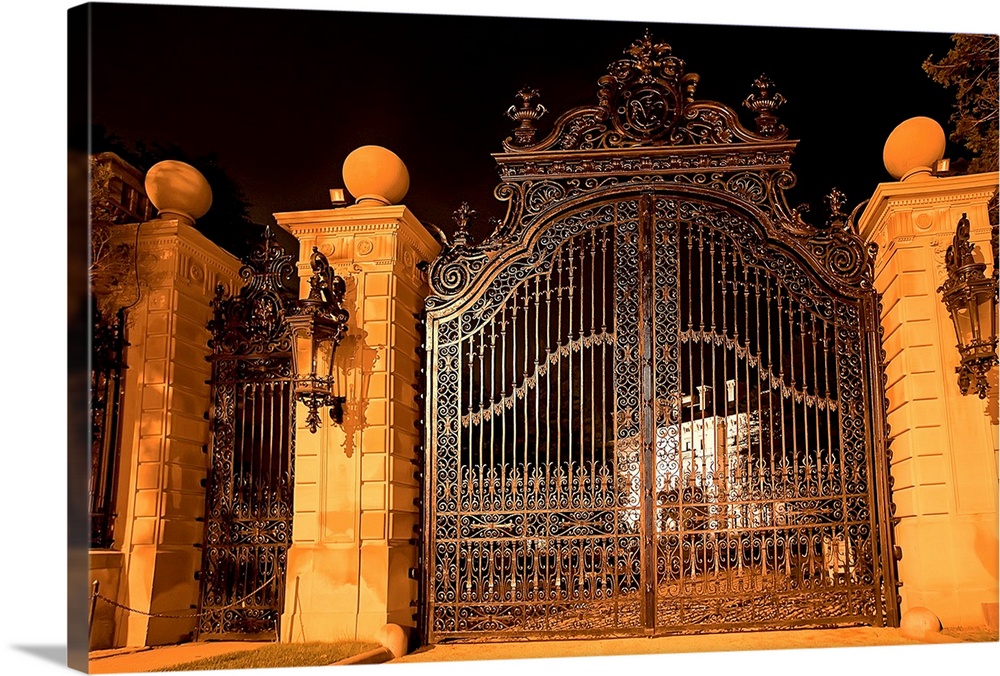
(112, 602)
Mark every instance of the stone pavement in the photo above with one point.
(136, 661)
(759, 640)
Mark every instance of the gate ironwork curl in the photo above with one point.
(655, 392)
(248, 516)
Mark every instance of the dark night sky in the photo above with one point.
(283, 96)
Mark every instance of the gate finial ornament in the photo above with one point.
(764, 101)
(834, 202)
(646, 56)
(463, 216)
(527, 115)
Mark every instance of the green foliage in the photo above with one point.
(111, 263)
(970, 67)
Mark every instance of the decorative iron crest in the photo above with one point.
(648, 98)
(253, 321)
(648, 132)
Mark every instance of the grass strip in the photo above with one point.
(280, 655)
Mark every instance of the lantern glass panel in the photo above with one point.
(987, 314)
(303, 359)
(963, 325)
(323, 355)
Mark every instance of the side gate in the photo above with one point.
(248, 516)
(655, 393)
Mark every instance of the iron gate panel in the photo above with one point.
(655, 393)
(248, 518)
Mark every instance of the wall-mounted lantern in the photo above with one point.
(971, 299)
(318, 324)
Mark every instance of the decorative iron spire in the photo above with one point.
(646, 56)
(526, 115)
(463, 217)
(834, 201)
(764, 101)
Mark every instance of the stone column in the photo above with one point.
(163, 462)
(355, 500)
(944, 445)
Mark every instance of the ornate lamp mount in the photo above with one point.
(526, 115)
(971, 299)
(318, 324)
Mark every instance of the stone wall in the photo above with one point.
(356, 497)
(163, 461)
(944, 445)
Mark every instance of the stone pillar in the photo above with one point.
(944, 445)
(355, 500)
(163, 460)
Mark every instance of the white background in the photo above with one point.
(32, 321)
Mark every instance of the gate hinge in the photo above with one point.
(413, 573)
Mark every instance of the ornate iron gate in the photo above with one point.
(655, 400)
(248, 519)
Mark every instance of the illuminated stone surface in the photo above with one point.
(944, 445)
(355, 491)
(162, 465)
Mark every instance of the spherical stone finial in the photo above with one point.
(375, 174)
(913, 148)
(178, 190)
(919, 623)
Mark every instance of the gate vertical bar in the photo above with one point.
(647, 431)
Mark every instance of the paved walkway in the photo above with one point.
(130, 660)
(762, 640)
(135, 661)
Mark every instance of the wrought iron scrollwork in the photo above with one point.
(649, 129)
(249, 490)
(106, 389)
(252, 321)
(653, 406)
